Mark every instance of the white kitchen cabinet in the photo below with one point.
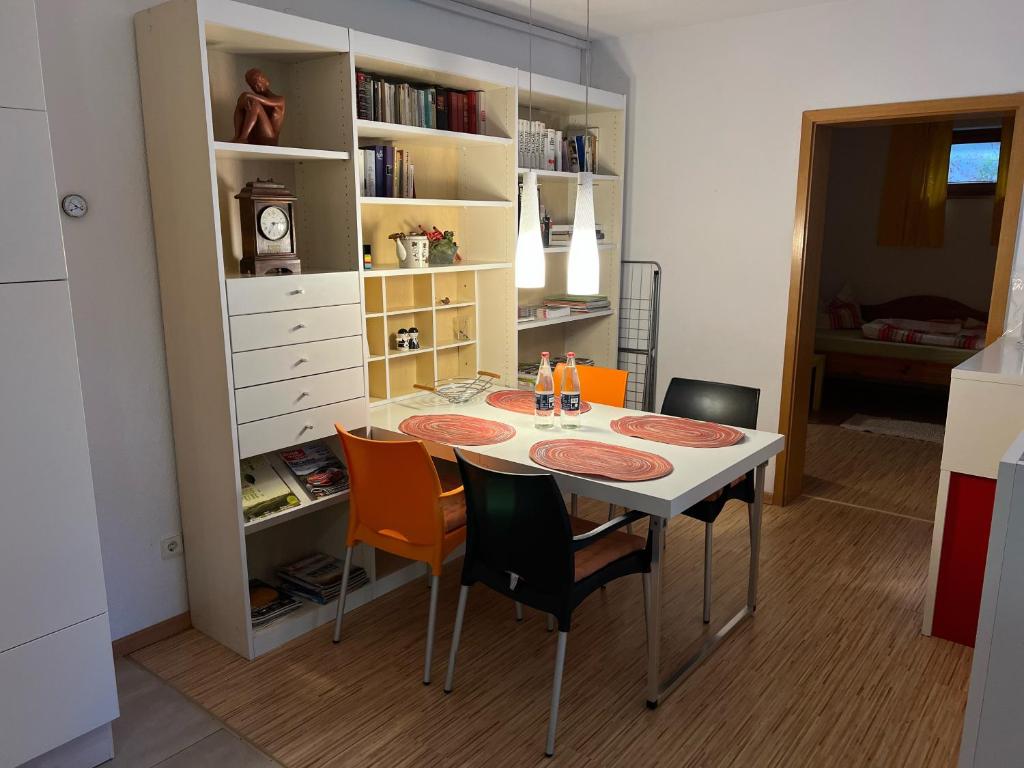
(32, 246)
(21, 70)
(49, 550)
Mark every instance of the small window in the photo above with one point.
(973, 163)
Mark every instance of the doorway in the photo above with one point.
(819, 130)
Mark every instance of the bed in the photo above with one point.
(849, 355)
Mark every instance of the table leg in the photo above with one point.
(657, 534)
(755, 512)
(658, 689)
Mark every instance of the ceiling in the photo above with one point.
(615, 18)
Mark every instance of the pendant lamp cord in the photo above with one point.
(586, 114)
(531, 62)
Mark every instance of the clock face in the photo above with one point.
(273, 222)
(74, 206)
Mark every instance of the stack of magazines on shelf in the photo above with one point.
(530, 312)
(546, 149)
(561, 234)
(318, 469)
(268, 604)
(578, 305)
(317, 577)
(263, 491)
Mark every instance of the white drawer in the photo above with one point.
(282, 431)
(268, 400)
(262, 366)
(272, 293)
(273, 329)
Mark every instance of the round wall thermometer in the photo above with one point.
(74, 206)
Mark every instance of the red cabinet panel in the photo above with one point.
(962, 564)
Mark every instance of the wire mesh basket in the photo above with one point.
(461, 389)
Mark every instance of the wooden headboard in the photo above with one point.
(922, 308)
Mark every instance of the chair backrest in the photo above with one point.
(394, 488)
(516, 524)
(605, 386)
(730, 404)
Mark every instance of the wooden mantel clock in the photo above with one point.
(267, 215)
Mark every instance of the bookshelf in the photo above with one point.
(260, 364)
(465, 183)
(561, 105)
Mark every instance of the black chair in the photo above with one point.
(723, 404)
(521, 542)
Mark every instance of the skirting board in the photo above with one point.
(136, 641)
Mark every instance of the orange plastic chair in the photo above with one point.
(605, 386)
(409, 515)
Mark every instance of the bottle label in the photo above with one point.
(544, 401)
(571, 402)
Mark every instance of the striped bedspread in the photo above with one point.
(935, 333)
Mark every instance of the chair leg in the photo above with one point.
(460, 614)
(556, 693)
(551, 623)
(519, 611)
(342, 595)
(435, 587)
(646, 582)
(574, 504)
(708, 541)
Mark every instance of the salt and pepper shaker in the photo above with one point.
(402, 339)
(414, 338)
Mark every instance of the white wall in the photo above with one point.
(92, 94)
(960, 269)
(713, 149)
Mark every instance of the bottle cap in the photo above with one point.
(545, 354)
(570, 354)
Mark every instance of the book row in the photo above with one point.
(417, 104)
(385, 171)
(546, 149)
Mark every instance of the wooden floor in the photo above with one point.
(892, 474)
(833, 671)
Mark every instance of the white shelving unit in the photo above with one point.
(561, 105)
(226, 332)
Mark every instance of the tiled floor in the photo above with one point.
(161, 727)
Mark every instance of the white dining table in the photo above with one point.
(697, 473)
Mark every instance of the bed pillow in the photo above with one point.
(844, 314)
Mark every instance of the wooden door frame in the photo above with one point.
(808, 234)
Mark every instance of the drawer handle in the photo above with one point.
(302, 395)
(306, 428)
(302, 360)
(298, 291)
(299, 327)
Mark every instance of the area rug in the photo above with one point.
(913, 430)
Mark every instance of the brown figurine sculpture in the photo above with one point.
(259, 113)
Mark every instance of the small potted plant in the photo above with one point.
(443, 248)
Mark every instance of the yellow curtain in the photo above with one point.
(914, 196)
(1005, 140)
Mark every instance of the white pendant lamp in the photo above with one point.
(530, 267)
(584, 263)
